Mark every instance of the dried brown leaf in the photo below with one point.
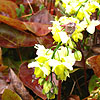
(19, 87)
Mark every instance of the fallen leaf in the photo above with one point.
(42, 16)
(12, 38)
(10, 95)
(94, 61)
(19, 87)
(8, 7)
(27, 77)
(13, 22)
(47, 41)
(38, 29)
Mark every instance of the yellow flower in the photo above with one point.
(80, 15)
(77, 36)
(91, 8)
(38, 72)
(41, 59)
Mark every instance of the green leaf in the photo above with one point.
(10, 95)
(22, 8)
(94, 83)
(18, 11)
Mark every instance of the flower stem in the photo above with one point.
(79, 9)
(56, 50)
(59, 90)
(54, 54)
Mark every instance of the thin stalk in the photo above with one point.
(59, 90)
(59, 85)
(54, 55)
(79, 8)
(19, 54)
(30, 6)
(56, 50)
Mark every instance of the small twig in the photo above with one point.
(18, 51)
(26, 15)
(73, 88)
(30, 6)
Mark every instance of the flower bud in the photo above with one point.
(55, 90)
(78, 55)
(40, 81)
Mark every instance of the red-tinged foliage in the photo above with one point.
(37, 28)
(26, 76)
(47, 41)
(94, 61)
(8, 7)
(13, 22)
(12, 38)
(42, 16)
(98, 27)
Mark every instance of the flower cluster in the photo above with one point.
(59, 63)
(67, 31)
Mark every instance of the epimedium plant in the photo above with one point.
(66, 31)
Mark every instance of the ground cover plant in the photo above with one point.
(49, 49)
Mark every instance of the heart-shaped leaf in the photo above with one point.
(12, 38)
(27, 77)
(42, 16)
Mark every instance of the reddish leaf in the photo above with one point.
(12, 38)
(42, 16)
(47, 41)
(38, 28)
(8, 7)
(98, 27)
(13, 22)
(94, 61)
(26, 76)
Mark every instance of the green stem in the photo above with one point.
(79, 8)
(59, 44)
(56, 50)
